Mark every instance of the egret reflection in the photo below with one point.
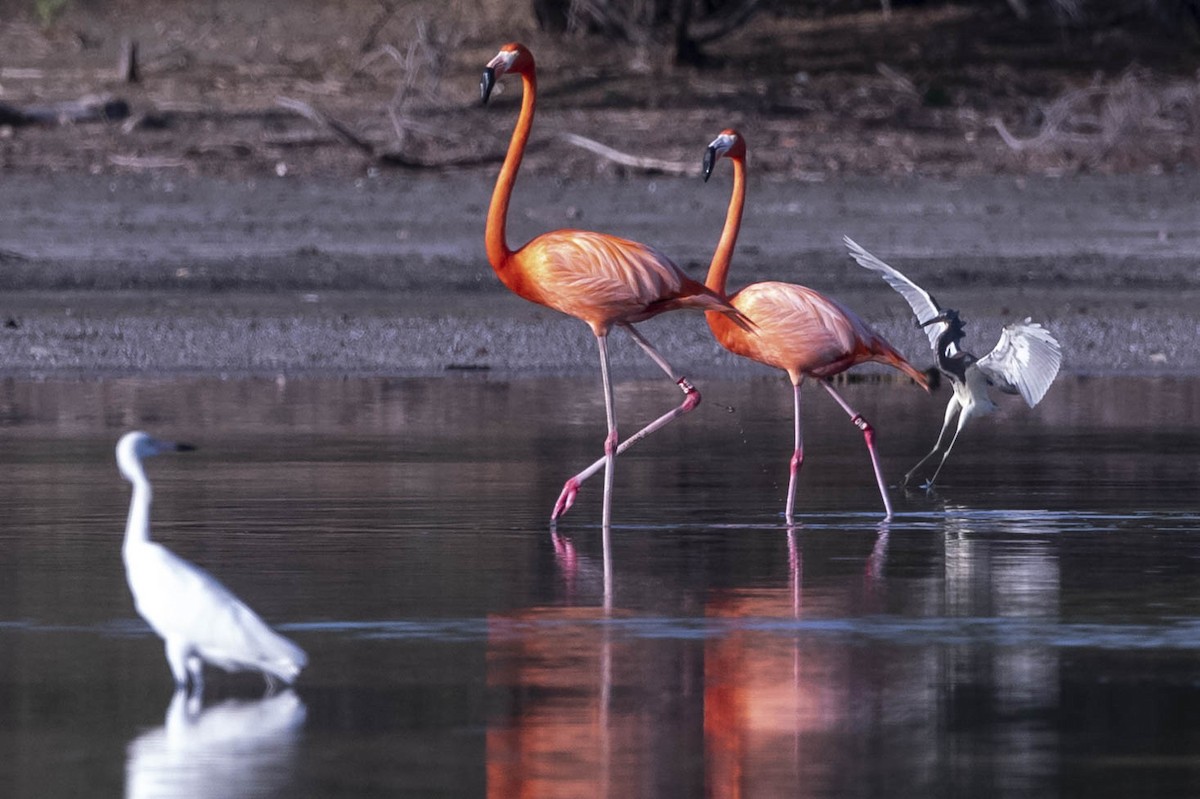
(235, 748)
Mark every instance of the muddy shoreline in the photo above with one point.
(163, 274)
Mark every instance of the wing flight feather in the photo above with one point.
(1025, 360)
(921, 301)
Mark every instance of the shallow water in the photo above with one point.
(1029, 629)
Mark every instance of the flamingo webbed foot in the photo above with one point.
(565, 499)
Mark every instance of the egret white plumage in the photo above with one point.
(1024, 361)
(198, 618)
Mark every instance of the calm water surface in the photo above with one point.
(1032, 629)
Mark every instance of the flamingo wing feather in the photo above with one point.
(798, 328)
(605, 279)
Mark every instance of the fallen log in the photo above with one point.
(90, 108)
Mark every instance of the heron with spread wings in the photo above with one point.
(1024, 361)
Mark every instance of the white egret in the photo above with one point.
(198, 618)
(1024, 361)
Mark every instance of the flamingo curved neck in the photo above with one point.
(718, 270)
(495, 238)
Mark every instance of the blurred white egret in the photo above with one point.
(1024, 361)
(198, 618)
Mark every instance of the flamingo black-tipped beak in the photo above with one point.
(710, 160)
(486, 83)
(182, 447)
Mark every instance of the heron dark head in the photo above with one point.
(947, 315)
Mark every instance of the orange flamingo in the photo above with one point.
(602, 280)
(796, 329)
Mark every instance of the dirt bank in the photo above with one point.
(161, 275)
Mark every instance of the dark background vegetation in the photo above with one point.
(859, 87)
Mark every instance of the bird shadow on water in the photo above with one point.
(232, 748)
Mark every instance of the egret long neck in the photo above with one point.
(137, 526)
(718, 270)
(495, 238)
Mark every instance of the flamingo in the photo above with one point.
(599, 279)
(1024, 361)
(197, 617)
(795, 328)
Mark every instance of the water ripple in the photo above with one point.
(941, 631)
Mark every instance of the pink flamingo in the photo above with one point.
(600, 279)
(795, 328)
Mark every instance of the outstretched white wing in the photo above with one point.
(1025, 360)
(922, 302)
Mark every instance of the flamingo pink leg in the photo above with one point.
(868, 436)
(610, 442)
(797, 459)
(566, 497)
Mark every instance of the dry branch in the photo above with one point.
(127, 64)
(341, 131)
(146, 162)
(1103, 116)
(631, 161)
(382, 157)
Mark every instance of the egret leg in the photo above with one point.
(797, 457)
(196, 668)
(952, 408)
(691, 399)
(962, 421)
(177, 656)
(868, 436)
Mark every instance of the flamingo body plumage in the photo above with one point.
(804, 333)
(795, 328)
(602, 280)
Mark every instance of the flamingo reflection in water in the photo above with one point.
(595, 710)
(1024, 361)
(777, 700)
(231, 749)
(198, 618)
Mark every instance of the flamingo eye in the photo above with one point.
(503, 61)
